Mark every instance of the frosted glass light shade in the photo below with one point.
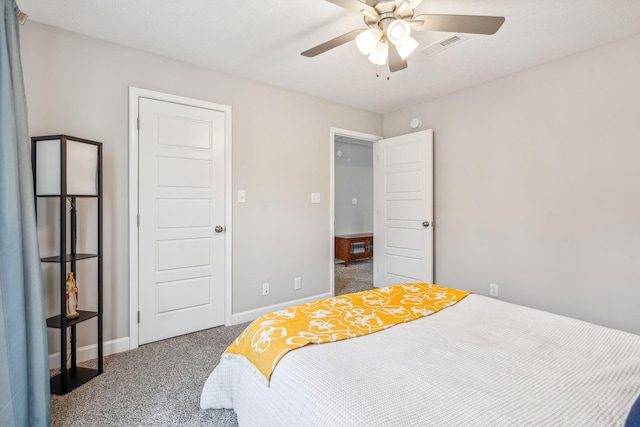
(398, 32)
(380, 54)
(366, 41)
(81, 167)
(405, 49)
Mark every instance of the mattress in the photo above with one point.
(479, 362)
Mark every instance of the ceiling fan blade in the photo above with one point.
(340, 40)
(396, 63)
(356, 6)
(412, 4)
(459, 23)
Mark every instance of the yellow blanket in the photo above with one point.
(273, 335)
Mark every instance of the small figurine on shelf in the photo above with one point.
(72, 297)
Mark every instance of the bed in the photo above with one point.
(479, 362)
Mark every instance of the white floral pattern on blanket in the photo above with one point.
(273, 335)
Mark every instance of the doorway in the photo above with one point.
(402, 207)
(351, 207)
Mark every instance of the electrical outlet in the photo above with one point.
(493, 289)
(354, 201)
(297, 283)
(265, 289)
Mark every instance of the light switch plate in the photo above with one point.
(241, 196)
(354, 201)
(315, 197)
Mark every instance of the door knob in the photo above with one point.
(425, 223)
(219, 229)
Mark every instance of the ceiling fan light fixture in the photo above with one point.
(367, 40)
(389, 25)
(380, 54)
(406, 48)
(398, 32)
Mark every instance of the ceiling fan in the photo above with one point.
(390, 23)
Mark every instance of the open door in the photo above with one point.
(403, 209)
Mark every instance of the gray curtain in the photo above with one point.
(24, 364)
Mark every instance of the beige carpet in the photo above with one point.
(355, 278)
(159, 384)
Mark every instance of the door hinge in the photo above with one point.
(138, 220)
(138, 317)
(138, 123)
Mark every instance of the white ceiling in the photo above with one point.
(262, 40)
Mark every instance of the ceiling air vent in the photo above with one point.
(443, 44)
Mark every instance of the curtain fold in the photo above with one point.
(24, 365)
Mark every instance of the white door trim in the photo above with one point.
(333, 132)
(134, 94)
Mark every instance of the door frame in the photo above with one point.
(333, 132)
(134, 94)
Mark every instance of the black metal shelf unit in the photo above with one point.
(57, 149)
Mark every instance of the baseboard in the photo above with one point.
(91, 351)
(247, 316)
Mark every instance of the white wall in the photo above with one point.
(353, 179)
(79, 86)
(537, 185)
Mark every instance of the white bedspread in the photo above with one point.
(480, 362)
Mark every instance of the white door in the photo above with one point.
(181, 201)
(403, 209)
